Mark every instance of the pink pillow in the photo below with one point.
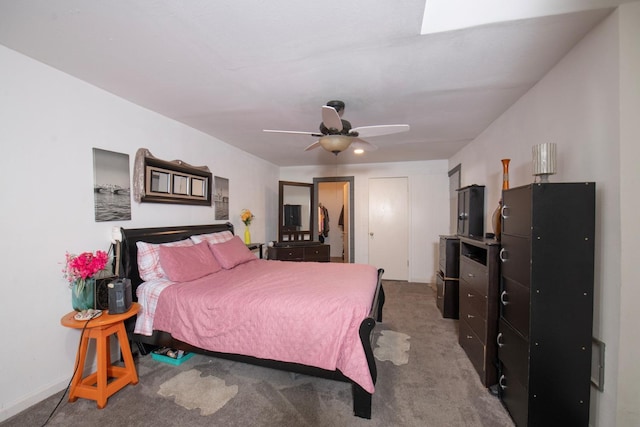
(219, 237)
(231, 253)
(186, 263)
(149, 258)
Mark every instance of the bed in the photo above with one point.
(340, 349)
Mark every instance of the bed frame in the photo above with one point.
(129, 269)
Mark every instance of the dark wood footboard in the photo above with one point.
(361, 398)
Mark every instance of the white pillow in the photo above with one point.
(213, 238)
(149, 258)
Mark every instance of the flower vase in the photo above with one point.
(247, 235)
(83, 294)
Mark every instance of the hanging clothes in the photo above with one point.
(325, 228)
(323, 222)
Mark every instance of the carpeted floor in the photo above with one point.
(424, 379)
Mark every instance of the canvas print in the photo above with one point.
(111, 186)
(221, 197)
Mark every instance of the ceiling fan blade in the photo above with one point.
(312, 146)
(330, 118)
(293, 131)
(367, 131)
(361, 143)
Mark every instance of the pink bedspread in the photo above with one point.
(307, 313)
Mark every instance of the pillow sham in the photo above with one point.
(232, 252)
(149, 258)
(219, 237)
(186, 263)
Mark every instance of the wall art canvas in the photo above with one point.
(221, 197)
(111, 186)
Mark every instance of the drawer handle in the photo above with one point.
(469, 337)
(503, 255)
(499, 340)
(502, 382)
(470, 295)
(503, 211)
(470, 275)
(503, 298)
(470, 316)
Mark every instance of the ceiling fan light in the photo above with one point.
(335, 143)
(358, 151)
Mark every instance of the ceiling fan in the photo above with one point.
(336, 134)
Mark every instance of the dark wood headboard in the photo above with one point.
(129, 250)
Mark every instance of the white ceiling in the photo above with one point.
(234, 68)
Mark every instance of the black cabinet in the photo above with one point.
(447, 277)
(292, 217)
(471, 211)
(546, 303)
(479, 285)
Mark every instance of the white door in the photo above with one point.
(389, 226)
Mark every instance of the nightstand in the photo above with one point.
(256, 247)
(97, 386)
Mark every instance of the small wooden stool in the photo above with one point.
(96, 386)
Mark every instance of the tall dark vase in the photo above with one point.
(496, 221)
(496, 218)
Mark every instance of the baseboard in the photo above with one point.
(27, 401)
(31, 399)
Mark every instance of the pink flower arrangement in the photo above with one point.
(79, 268)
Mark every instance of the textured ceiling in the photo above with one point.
(232, 69)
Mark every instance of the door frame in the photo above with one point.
(454, 185)
(341, 179)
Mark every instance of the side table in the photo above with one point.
(96, 386)
(256, 247)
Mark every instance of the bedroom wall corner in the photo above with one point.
(428, 206)
(588, 104)
(49, 123)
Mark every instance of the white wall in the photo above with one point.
(577, 105)
(49, 123)
(428, 206)
(628, 409)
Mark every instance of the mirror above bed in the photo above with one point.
(295, 218)
(161, 181)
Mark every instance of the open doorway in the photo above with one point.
(334, 197)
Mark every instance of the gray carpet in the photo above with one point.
(424, 379)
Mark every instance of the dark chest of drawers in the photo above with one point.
(447, 277)
(300, 252)
(479, 285)
(546, 303)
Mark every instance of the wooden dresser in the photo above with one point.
(299, 251)
(478, 311)
(546, 303)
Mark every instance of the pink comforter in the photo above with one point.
(307, 313)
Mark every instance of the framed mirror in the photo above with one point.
(295, 218)
(176, 182)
